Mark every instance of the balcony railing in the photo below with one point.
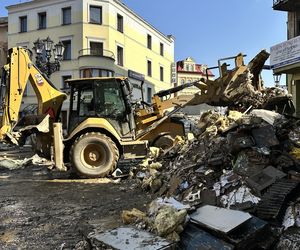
(97, 52)
(286, 5)
(278, 1)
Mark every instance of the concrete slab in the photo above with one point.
(130, 238)
(219, 219)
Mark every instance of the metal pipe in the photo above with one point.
(20, 87)
(207, 69)
(175, 89)
(224, 59)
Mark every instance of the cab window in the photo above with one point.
(109, 101)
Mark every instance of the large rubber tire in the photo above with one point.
(94, 155)
(164, 142)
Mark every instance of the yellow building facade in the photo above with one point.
(189, 71)
(101, 38)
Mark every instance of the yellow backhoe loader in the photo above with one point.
(104, 124)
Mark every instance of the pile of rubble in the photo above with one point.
(233, 183)
(235, 161)
(229, 152)
(14, 157)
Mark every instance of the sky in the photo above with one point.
(213, 29)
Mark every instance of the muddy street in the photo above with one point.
(40, 209)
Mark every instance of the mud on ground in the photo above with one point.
(37, 211)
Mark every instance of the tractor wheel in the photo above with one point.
(94, 155)
(164, 142)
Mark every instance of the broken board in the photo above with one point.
(219, 219)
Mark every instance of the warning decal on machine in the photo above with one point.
(39, 79)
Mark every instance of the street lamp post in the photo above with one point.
(277, 78)
(44, 49)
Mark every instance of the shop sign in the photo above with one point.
(285, 53)
(135, 75)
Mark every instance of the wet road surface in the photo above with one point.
(41, 209)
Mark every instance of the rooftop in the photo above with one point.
(197, 70)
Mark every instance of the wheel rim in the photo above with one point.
(93, 156)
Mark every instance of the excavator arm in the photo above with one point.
(18, 71)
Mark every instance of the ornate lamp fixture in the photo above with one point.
(277, 78)
(44, 51)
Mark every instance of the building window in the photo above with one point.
(66, 16)
(63, 80)
(86, 73)
(120, 59)
(23, 24)
(96, 48)
(42, 20)
(149, 95)
(161, 49)
(68, 49)
(96, 14)
(149, 68)
(149, 42)
(161, 71)
(120, 23)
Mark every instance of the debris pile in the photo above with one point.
(230, 151)
(237, 161)
(14, 157)
(242, 87)
(234, 183)
(165, 217)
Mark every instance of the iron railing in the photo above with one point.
(97, 52)
(275, 2)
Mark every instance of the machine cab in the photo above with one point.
(99, 97)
